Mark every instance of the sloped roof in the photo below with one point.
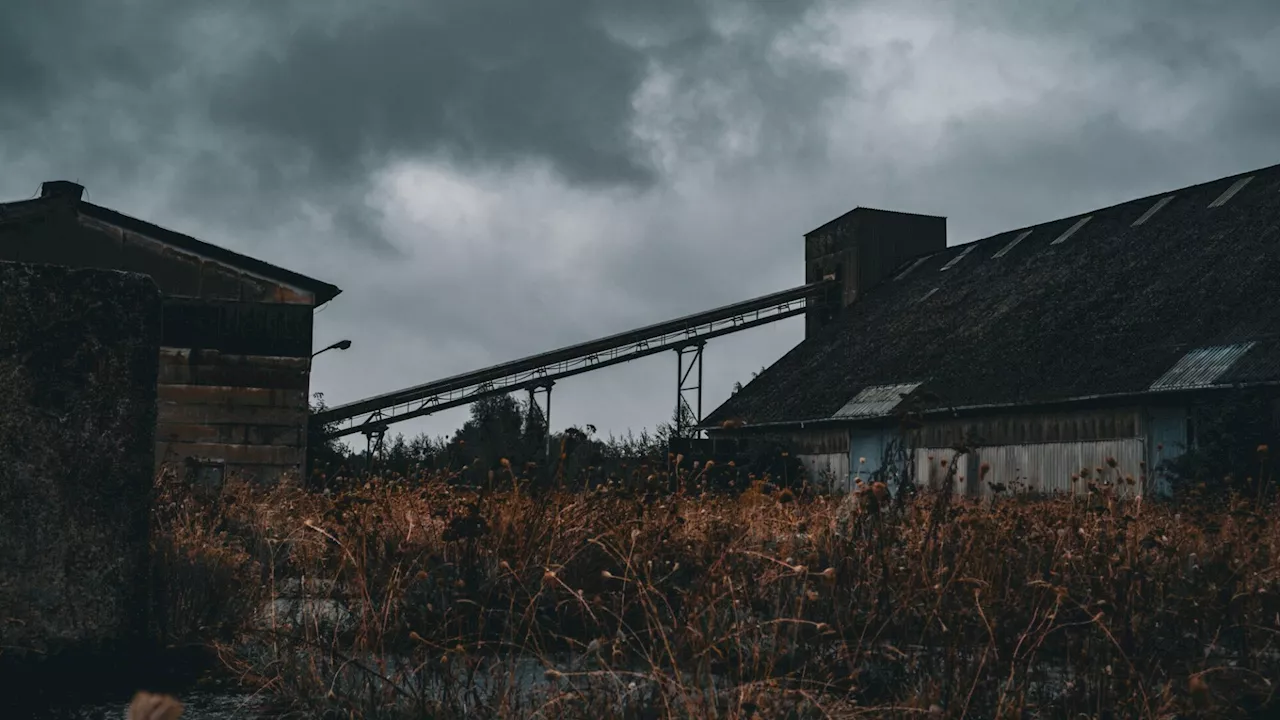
(20, 210)
(1089, 305)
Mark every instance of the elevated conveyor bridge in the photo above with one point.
(686, 336)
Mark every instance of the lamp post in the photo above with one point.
(340, 345)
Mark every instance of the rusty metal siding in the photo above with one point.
(1047, 468)
(232, 455)
(216, 414)
(179, 366)
(246, 413)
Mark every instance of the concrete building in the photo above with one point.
(1043, 350)
(236, 337)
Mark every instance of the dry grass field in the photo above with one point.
(427, 599)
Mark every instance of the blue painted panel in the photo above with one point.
(866, 451)
(1166, 440)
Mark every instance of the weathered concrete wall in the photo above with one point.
(79, 353)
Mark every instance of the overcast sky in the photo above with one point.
(486, 179)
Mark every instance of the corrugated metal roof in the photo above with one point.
(875, 401)
(1201, 367)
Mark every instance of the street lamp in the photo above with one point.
(340, 345)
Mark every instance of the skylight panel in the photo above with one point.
(1201, 367)
(876, 401)
(1005, 250)
(958, 258)
(1072, 230)
(1230, 192)
(1152, 210)
(911, 267)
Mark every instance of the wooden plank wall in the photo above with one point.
(249, 412)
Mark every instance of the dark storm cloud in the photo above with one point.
(259, 104)
(479, 81)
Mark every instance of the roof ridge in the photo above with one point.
(1153, 196)
(324, 291)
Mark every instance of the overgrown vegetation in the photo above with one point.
(651, 595)
(502, 433)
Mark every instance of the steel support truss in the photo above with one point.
(375, 432)
(688, 387)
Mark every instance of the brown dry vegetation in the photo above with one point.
(611, 603)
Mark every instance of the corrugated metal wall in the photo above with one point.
(830, 470)
(1040, 467)
(932, 465)
(1041, 451)
(1034, 427)
(820, 442)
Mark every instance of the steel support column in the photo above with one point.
(544, 407)
(688, 391)
(374, 434)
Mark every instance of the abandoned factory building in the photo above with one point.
(236, 332)
(1042, 351)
